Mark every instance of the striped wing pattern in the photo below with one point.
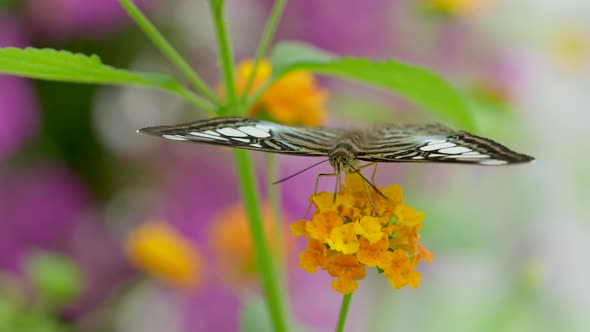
(434, 143)
(385, 143)
(252, 134)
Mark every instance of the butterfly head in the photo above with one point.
(341, 160)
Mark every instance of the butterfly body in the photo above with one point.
(382, 143)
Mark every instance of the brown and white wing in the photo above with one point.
(252, 134)
(434, 143)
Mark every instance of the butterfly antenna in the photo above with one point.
(301, 171)
(365, 179)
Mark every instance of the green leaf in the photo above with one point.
(64, 66)
(55, 277)
(423, 87)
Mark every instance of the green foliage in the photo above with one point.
(423, 87)
(55, 277)
(64, 66)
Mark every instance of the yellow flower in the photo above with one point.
(232, 244)
(458, 7)
(570, 46)
(294, 99)
(369, 228)
(163, 252)
(358, 231)
(343, 239)
(321, 226)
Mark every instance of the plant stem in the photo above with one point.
(343, 312)
(267, 35)
(173, 56)
(227, 61)
(195, 100)
(264, 262)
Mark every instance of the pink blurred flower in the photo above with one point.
(66, 19)
(19, 117)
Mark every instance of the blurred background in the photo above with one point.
(78, 186)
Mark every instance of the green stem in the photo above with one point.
(343, 312)
(264, 262)
(267, 35)
(227, 62)
(197, 101)
(173, 56)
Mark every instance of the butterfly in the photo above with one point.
(431, 143)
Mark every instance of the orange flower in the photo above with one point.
(232, 244)
(294, 99)
(357, 231)
(163, 252)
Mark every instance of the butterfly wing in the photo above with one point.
(434, 143)
(252, 134)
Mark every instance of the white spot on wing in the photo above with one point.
(210, 132)
(232, 132)
(243, 140)
(175, 137)
(203, 135)
(256, 145)
(418, 157)
(493, 162)
(255, 132)
(438, 146)
(455, 150)
(263, 127)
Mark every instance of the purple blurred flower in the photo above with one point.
(351, 27)
(39, 209)
(19, 117)
(66, 19)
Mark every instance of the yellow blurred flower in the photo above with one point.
(570, 46)
(349, 234)
(458, 7)
(232, 244)
(160, 250)
(294, 99)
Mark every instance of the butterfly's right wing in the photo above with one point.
(252, 134)
(434, 143)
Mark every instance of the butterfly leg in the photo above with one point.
(370, 199)
(374, 164)
(315, 190)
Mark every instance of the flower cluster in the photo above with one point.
(353, 230)
(294, 99)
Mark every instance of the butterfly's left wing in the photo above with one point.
(434, 143)
(252, 134)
